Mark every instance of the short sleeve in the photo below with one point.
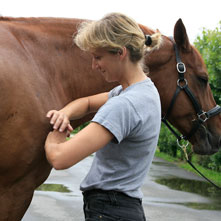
(115, 91)
(119, 116)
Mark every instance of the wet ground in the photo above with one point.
(170, 194)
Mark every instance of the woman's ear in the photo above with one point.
(122, 52)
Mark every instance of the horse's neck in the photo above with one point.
(49, 45)
(69, 67)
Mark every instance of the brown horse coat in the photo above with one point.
(41, 69)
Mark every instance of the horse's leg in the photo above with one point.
(14, 202)
(16, 197)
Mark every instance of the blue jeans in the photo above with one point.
(111, 206)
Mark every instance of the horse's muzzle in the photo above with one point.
(206, 142)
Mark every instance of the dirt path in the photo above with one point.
(160, 202)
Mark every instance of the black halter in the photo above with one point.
(182, 85)
(202, 116)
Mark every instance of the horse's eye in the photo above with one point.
(203, 80)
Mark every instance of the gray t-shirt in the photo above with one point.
(133, 116)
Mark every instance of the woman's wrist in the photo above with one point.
(65, 111)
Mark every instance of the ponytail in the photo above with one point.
(153, 41)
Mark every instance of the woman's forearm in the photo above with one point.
(77, 108)
(83, 106)
(74, 110)
(53, 149)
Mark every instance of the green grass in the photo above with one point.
(212, 175)
(165, 156)
(53, 187)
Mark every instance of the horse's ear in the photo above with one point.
(180, 36)
(158, 31)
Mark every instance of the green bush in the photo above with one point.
(167, 142)
(210, 162)
(209, 46)
(76, 130)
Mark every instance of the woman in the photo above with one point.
(125, 129)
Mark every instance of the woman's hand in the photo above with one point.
(59, 120)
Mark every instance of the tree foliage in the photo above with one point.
(167, 142)
(209, 46)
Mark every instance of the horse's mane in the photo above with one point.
(52, 23)
(20, 19)
(37, 20)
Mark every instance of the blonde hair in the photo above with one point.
(113, 32)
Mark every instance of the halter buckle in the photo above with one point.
(181, 68)
(203, 117)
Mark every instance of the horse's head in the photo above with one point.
(193, 94)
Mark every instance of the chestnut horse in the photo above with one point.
(41, 69)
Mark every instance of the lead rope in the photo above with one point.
(184, 149)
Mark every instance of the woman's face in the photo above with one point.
(108, 64)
